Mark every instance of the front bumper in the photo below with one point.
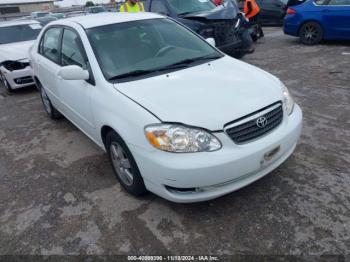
(18, 78)
(213, 174)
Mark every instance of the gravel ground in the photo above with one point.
(58, 194)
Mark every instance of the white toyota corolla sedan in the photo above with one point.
(176, 116)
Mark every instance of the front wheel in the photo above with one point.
(311, 33)
(124, 165)
(5, 83)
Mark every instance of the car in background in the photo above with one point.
(75, 13)
(176, 116)
(16, 37)
(222, 23)
(58, 15)
(317, 20)
(39, 14)
(272, 12)
(23, 18)
(95, 10)
(46, 19)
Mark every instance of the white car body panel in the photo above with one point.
(208, 95)
(226, 81)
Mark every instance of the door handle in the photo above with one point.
(326, 11)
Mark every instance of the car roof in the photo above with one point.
(18, 22)
(101, 19)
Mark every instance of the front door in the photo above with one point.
(75, 94)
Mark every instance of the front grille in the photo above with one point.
(251, 129)
(224, 31)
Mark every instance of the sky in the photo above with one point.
(65, 3)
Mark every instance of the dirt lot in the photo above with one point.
(58, 194)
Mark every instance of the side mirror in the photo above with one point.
(73, 72)
(211, 41)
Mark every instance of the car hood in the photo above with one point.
(206, 95)
(15, 51)
(227, 11)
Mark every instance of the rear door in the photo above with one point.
(336, 17)
(47, 62)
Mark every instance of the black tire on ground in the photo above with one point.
(48, 107)
(311, 33)
(124, 165)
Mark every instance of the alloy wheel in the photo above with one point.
(4, 82)
(121, 164)
(311, 34)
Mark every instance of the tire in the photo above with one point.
(48, 107)
(311, 33)
(124, 165)
(5, 83)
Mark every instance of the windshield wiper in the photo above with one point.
(189, 12)
(131, 74)
(180, 64)
(195, 59)
(138, 72)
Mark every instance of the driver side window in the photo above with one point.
(72, 53)
(159, 7)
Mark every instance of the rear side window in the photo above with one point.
(339, 2)
(49, 44)
(71, 50)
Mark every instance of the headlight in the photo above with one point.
(181, 139)
(288, 100)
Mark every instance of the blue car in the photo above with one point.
(317, 20)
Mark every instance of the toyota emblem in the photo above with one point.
(261, 122)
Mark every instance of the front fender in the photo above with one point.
(123, 115)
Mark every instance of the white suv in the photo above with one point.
(176, 116)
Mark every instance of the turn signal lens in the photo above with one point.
(181, 139)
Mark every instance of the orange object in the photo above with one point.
(291, 11)
(255, 9)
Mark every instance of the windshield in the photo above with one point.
(145, 45)
(19, 33)
(191, 6)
